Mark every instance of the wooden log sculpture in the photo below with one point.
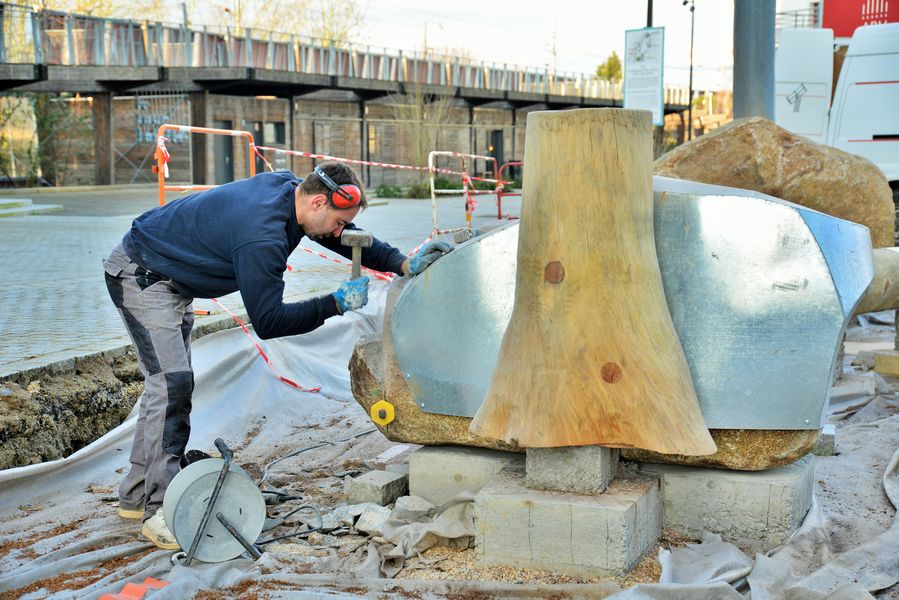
(590, 356)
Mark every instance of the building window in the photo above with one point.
(275, 133)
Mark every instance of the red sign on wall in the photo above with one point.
(843, 16)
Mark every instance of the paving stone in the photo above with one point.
(575, 469)
(578, 534)
(380, 487)
(758, 508)
(439, 473)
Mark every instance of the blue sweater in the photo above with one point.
(239, 236)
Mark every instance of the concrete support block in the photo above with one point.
(887, 363)
(583, 535)
(757, 508)
(575, 469)
(826, 445)
(380, 487)
(439, 473)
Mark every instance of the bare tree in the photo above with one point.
(337, 21)
(419, 115)
(94, 8)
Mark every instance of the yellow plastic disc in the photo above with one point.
(381, 412)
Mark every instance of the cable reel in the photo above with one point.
(214, 510)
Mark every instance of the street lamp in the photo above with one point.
(690, 88)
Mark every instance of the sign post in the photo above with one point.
(643, 64)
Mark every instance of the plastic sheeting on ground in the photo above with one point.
(60, 540)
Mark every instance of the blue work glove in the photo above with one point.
(426, 256)
(352, 294)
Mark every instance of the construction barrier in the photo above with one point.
(163, 157)
(467, 190)
(500, 194)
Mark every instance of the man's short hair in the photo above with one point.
(340, 174)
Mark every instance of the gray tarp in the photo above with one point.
(69, 529)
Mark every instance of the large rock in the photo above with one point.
(375, 375)
(756, 154)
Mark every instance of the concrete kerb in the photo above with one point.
(26, 371)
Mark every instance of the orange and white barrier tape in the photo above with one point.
(370, 163)
(163, 155)
(262, 353)
(378, 274)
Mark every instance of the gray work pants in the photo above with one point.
(159, 321)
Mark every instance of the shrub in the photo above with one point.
(386, 190)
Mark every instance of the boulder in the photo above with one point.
(741, 450)
(756, 154)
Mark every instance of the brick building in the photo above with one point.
(326, 122)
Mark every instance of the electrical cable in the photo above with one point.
(284, 497)
(321, 524)
(313, 447)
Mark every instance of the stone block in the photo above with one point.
(826, 445)
(402, 469)
(575, 469)
(887, 363)
(582, 535)
(439, 473)
(380, 487)
(760, 509)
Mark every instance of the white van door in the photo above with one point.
(803, 80)
(865, 115)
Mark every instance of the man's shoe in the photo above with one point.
(131, 513)
(157, 532)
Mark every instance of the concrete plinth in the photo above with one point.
(757, 508)
(584, 535)
(439, 473)
(575, 469)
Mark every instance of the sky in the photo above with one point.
(583, 33)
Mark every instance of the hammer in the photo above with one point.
(357, 240)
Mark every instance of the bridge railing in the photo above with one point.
(57, 38)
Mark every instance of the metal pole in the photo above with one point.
(649, 13)
(690, 87)
(754, 58)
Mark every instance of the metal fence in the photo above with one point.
(54, 38)
(803, 18)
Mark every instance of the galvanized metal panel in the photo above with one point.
(449, 322)
(759, 290)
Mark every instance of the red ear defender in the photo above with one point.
(346, 196)
(341, 196)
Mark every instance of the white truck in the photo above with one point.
(862, 115)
